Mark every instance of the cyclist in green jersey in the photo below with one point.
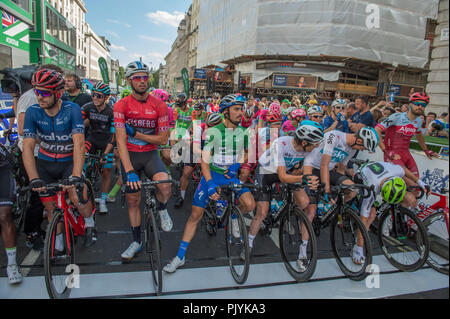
(226, 148)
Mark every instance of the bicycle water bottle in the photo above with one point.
(220, 205)
(275, 206)
(320, 208)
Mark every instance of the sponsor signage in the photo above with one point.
(14, 32)
(295, 81)
(200, 74)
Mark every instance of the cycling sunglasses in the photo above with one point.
(140, 78)
(43, 93)
(317, 116)
(339, 107)
(98, 95)
(422, 104)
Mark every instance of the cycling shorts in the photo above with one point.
(52, 172)
(406, 160)
(93, 148)
(266, 181)
(201, 198)
(8, 186)
(148, 163)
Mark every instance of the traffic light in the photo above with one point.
(242, 84)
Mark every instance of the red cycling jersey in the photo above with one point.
(399, 131)
(149, 117)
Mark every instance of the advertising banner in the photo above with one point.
(103, 69)
(199, 74)
(185, 75)
(295, 81)
(13, 32)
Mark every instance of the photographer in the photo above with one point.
(439, 127)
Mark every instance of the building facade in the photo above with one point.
(52, 38)
(96, 47)
(17, 18)
(437, 86)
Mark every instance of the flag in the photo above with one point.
(7, 19)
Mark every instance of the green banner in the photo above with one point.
(104, 69)
(15, 35)
(184, 74)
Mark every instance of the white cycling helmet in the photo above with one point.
(315, 109)
(338, 102)
(214, 119)
(310, 131)
(369, 137)
(136, 67)
(249, 112)
(290, 109)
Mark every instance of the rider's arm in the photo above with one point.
(421, 141)
(163, 127)
(121, 136)
(78, 154)
(206, 159)
(28, 158)
(325, 172)
(379, 131)
(288, 178)
(160, 139)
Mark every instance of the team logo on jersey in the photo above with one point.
(331, 139)
(408, 130)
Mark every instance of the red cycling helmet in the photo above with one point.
(48, 79)
(298, 113)
(274, 117)
(419, 97)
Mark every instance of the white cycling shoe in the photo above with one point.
(14, 275)
(174, 264)
(132, 250)
(166, 221)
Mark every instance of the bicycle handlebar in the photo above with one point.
(147, 182)
(353, 187)
(359, 162)
(421, 194)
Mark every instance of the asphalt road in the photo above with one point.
(204, 252)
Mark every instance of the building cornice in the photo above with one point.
(81, 5)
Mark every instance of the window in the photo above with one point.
(24, 4)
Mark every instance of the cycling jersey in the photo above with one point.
(149, 117)
(202, 118)
(341, 126)
(171, 119)
(245, 123)
(373, 174)
(54, 133)
(183, 121)
(281, 153)
(334, 145)
(226, 146)
(100, 123)
(399, 130)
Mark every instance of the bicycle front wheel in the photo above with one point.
(153, 249)
(348, 231)
(405, 242)
(59, 258)
(299, 261)
(236, 239)
(437, 229)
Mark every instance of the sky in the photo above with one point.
(137, 28)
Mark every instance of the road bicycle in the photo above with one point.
(93, 169)
(345, 229)
(65, 226)
(152, 239)
(292, 223)
(239, 268)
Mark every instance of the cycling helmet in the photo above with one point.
(291, 109)
(274, 118)
(298, 113)
(48, 79)
(315, 109)
(198, 106)
(136, 67)
(229, 100)
(309, 131)
(338, 102)
(393, 190)
(369, 137)
(312, 102)
(160, 95)
(324, 103)
(102, 88)
(181, 98)
(249, 112)
(125, 93)
(214, 119)
(419, 97)
(275, 108)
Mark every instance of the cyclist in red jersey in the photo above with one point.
(399, 128)
(142, 123)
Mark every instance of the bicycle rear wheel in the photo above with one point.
(345, 230)
(237, 245)
(406, 247)
(59, 256)
(294, 226)
(438, 233)
(153, 249)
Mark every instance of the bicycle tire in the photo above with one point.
(440, 263)
(423, 244)
(90, 193)
(238, 271)
(341, 222)
(153, 249)
(300, 217)
(50, 267)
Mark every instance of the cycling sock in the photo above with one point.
(136, 234)
(11, 253)
(182, 250)
(303, 247)
(183, 194)
(103, 199)
(89, 221)
(233, 216)
(250, 240)
(59, 242)
(114, 191)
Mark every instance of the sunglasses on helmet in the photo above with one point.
(140, 78)
(98, 95)
(43, 93)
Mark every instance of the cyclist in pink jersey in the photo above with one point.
(142, 123)
(399, 128)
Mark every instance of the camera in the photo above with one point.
(437, 127)
(18, 79)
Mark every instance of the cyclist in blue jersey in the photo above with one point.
(59, 128)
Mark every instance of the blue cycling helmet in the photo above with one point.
(324, 103)
(309, 131)
(229, 100)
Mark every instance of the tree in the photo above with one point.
(122, 78)
(154, 79)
